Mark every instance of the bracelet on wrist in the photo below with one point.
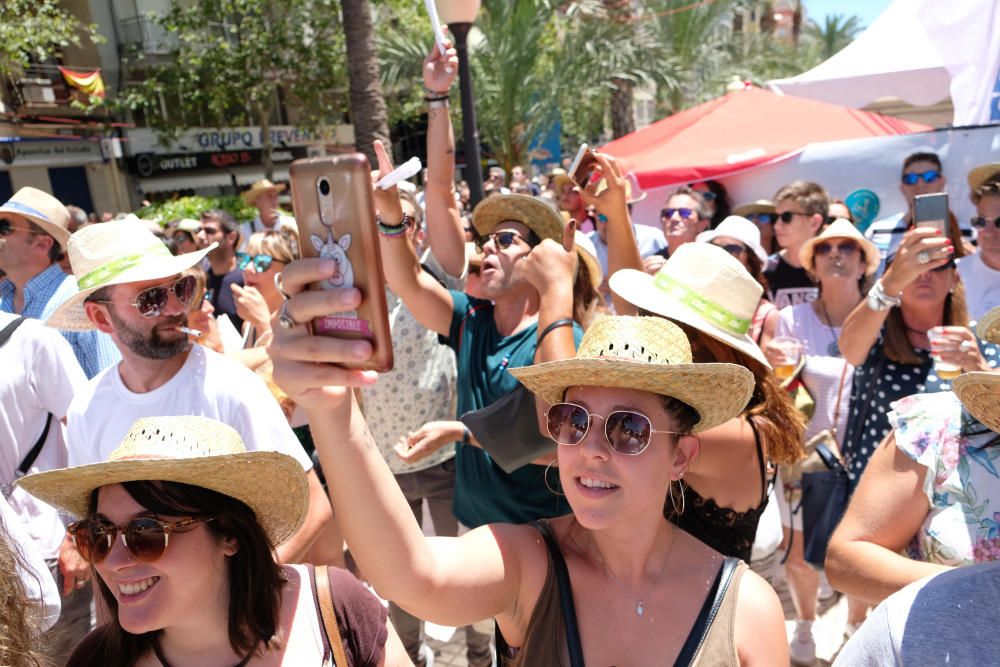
(565, 322)
(436, 98)
(438, 104)
(435, 93)
(393, 230)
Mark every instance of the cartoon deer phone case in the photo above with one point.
(335, 213)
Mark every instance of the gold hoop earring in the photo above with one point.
(673, 500)
(545, 478)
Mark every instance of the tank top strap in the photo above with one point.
(761, 463)
(719, 647)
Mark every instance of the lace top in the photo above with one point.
(729, 532)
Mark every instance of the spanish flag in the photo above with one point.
(89, 82)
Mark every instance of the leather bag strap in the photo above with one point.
(325, 599)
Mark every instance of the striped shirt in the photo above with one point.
(42, 295)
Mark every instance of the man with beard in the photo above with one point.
(134, 290)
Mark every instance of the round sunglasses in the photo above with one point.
(628, 432)
(979, 222)
(145, 538)
(152, 301)
(928, 176)
(261, 263)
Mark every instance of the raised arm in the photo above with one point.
(424, 296)
(888, 508)
(862, 326)
(623, 249)
(453, 581)
(444, 221)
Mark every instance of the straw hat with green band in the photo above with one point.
(534, 214)
(191, 450)
(42, 209)
(702, 286)
(650, 354)
(114, 253)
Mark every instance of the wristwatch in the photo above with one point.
(878, 300)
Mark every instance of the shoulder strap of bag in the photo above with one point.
(325, 599)
(573, 644)
(29, 459)
(8, 330)
(840, 392)
(709, 610)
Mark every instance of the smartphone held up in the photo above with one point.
(931, 211)
(336, 218)
(584, 167)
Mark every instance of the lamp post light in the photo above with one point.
(459, 15)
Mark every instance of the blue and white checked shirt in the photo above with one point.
(46, 292)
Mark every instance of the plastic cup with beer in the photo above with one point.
(787, 352)
(945, 339)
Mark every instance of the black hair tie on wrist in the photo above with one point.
(565, 322)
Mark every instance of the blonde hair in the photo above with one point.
(17, 632)
(282, 245)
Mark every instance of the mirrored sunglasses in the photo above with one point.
(928, 176)
(845, 248)
(683, 213)
(261, 263)
(761, 218)
(145, 538)
(628, 432)
(152, 301)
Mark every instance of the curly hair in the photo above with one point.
(18, 636)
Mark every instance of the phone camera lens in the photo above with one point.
(324, 187)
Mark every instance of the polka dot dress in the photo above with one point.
(877, 383)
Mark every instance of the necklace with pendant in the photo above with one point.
(833, 349)
(640, 604)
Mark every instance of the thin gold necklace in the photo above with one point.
(639, 603)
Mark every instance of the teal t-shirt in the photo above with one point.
(484, 493)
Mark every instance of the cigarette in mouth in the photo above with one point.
(190, 332)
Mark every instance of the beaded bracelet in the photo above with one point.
(437, 98)
(393, 230)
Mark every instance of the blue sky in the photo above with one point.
(868, 10)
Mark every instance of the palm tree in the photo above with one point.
(836, 32)
(367, 105)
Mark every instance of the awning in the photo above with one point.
(205, 180)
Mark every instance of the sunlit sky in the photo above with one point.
(867, 10)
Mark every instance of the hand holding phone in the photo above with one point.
(931, 211)
(583, 167)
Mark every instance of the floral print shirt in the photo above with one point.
(962, 483)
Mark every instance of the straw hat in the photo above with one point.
(702, 286)
(988, 327)
(188, 225)
(650, 354)
(980, 394)
(113, 253)
(192, 450)
(259, 188)
(558, 177)
(754, 208)
(536, 215)
(983, 173)
(739, 228)
(587, 254)
(42, 209)
(841, 229)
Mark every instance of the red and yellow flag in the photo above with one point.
(89, 82)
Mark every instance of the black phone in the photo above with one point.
(931, 211)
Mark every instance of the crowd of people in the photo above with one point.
(574, 454)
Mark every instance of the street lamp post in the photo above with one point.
(459, 15)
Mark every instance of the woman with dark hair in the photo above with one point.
(886, 338)
(930, 497)
(193, 578)
(716, 199)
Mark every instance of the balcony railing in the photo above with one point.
(147, 35)
(42, 87)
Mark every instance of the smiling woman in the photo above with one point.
(180, 525)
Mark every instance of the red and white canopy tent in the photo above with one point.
(741, 130)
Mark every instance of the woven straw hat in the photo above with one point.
(192, 450)
(702, 286)
(841, 229)
(42, 209)
(558, 177)
(259, 188)
(759, 206)
(980, 394)
(587, 254)
(988, 327)
(983, 173)
(536, 215)
(113, 253)
(739, 228)
(650, 354)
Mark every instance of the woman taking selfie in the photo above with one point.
(711, 296)
(180, 526)
(623, 413)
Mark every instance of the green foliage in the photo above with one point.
(35, 30)
(192, 207)
(836, 32)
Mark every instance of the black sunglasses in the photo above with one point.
(734, 249)
(261, 263)
(145, 538)
(501, 240)
(846, 248)
(928, 176)
(787, 216)
(628, 432)
(6, 229)
(979, 222)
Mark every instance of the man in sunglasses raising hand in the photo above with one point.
(134, 290)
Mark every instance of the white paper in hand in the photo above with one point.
(435, 24)
(408, 169)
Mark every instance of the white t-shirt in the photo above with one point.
(37, 579)
(649, 239)
(39, 374)
(982, 285)
(207, 385)
(247, 229)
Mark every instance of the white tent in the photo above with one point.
(920, 51)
